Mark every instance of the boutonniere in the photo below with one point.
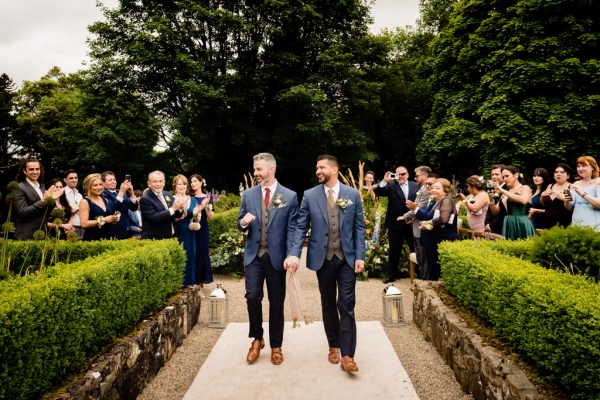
(420, 191)
(167, 199)
(344, 203)
(278, 201)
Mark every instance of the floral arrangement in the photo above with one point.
(230, 254)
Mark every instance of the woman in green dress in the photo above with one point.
(516, 200)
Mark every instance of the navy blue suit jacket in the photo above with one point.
(396, 202)
(313, 214)
(120, 230)
(156, 219)
(281, 226)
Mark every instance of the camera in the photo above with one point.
(393, 176)
(489, 186)
(567, 192)
(128, 178)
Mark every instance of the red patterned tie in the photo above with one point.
(267, 196)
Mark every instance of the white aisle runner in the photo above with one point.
(305, 374)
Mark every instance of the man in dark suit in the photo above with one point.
(159, 208)
(398, 191)
(122, 201)
(32, 206)
(493, 223)
(135, 217)
(268, 215)
(336, 251)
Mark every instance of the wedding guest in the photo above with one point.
(268, 216)
(442, 220)
(368, 195)
(398, 191)
(515, 199)
(94, 210)
(184, 231)
(495, 221)
(32, 206)
(428, 247)
(66, 224)
(74, 198)
(336, 251)
(553, 198)
(585, 194)
(120, 200)
(135, 217)
(202, 236)
(159, 209)
(537, 212)
(476, 203)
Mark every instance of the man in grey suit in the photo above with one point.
(421, 201)
(32, 207)
(268, 216)
(336, 251)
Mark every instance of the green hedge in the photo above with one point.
(222, 223)
(52, 321)
(551, 317)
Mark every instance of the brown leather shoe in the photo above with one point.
(255, 348)
(348, 364)
(334, 355)
(276, 356)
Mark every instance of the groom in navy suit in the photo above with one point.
(336, 251)
(159, 208)
(268, 216)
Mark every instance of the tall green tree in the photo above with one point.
(8, 122)
(231, 78)
(515, 82)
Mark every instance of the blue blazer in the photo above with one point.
(281, 226)
(156, 219)
(120, 230)
(313, 214)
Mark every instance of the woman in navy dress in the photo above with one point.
(95, 211)
(184, 231)
(205, 203)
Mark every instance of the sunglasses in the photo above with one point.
(428, 183)
(402, 173)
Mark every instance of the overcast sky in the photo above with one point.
(36, 35)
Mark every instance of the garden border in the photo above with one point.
(481, 370)
(124, 368)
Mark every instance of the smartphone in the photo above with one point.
(393, 176)
(128, 178)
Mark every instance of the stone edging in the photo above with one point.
(124, 369)
(480, 370)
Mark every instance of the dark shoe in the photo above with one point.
(276, 356)
(255, 348)
(348, 364)
(389, 280)
(334, 355)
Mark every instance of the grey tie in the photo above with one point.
(162, 200)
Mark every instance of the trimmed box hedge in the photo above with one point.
(52, 321)
(221, 223)
(551, 317)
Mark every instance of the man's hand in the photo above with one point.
(249, 217)
(291, 263)
(411, 205)
(386, 177)
(359, 266)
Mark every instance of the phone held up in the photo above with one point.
(128, 178)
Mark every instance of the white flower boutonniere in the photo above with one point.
(167, 199)
(278, 201)
(344, 203)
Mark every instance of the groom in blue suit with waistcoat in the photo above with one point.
(336, 251)
(268, 217)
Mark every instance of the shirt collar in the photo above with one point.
(271, 188)
(336, 190)
(34, 184)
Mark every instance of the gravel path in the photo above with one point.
(432, 378)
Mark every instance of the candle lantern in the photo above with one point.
(217, 317)
(393, 311)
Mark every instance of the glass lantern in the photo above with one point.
(217, 316)
(393, 311)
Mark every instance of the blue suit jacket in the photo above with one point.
(313, 214)
(156, 219)
(281, 227)
(120, 230)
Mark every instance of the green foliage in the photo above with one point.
(226, 201)
(514, 83)
(221, 223)
(52, 321)
(551, 317)
(228, 257)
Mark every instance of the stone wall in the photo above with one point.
(481, 370)
(124, 368)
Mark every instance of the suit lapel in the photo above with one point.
(257, 200)
(274, 208)
(322, 202)
(398, 189)
(343, 195)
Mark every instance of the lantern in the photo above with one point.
(217, 317)
(393, 311)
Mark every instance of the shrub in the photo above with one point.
(228, 257)
(221, 223)
(551, 317)
(50, 322)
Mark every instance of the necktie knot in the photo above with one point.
(267, 196)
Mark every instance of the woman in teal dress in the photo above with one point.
(585, 194)
(184, 234)
(516, 199)
(205, 204)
